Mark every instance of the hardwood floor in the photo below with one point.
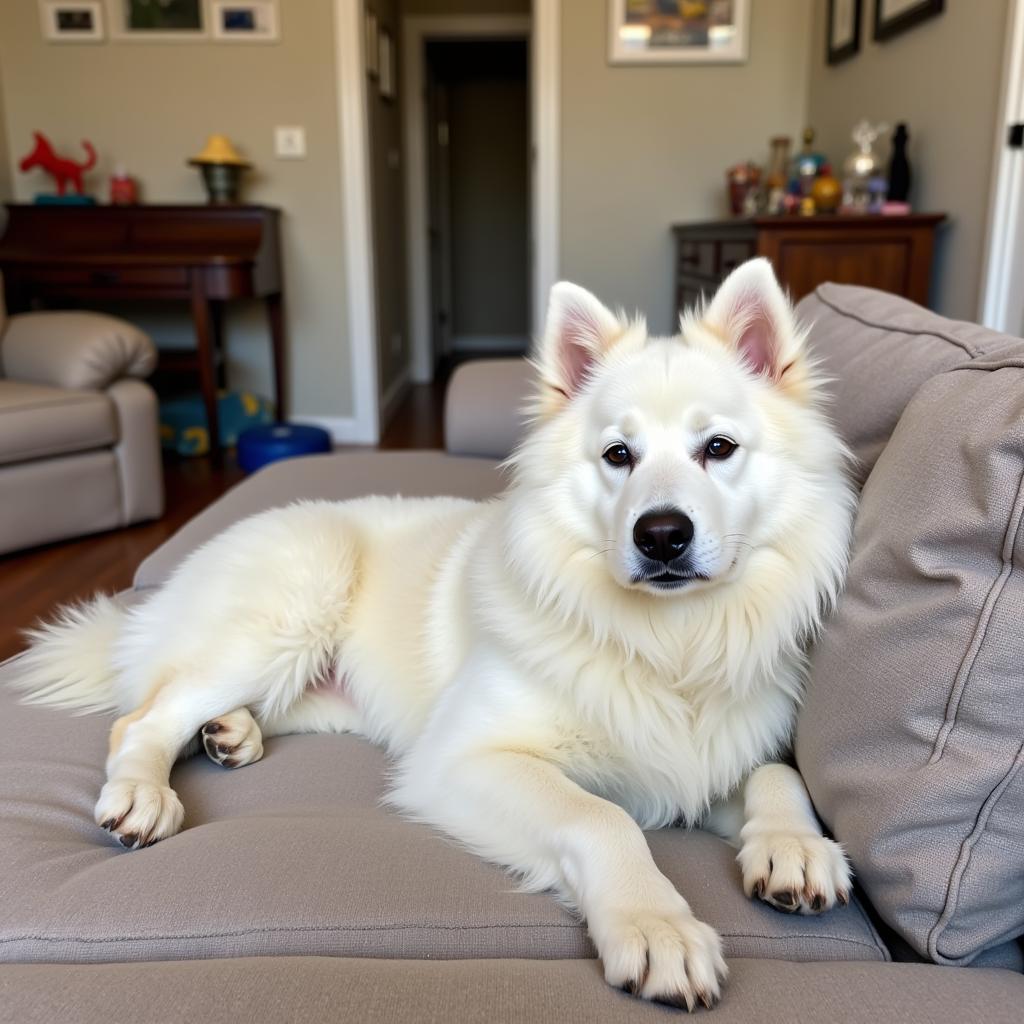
(34, 582)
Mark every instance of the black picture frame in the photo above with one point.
(886, 28)
(836, 55)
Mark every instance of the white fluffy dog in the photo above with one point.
(615, 643)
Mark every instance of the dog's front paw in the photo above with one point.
(794, 872)
(233, 740)
(667, 956)
(138, 813)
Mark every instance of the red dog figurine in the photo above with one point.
(62, 169)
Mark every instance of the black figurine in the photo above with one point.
(899, 166)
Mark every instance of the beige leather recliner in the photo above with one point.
(79, 431)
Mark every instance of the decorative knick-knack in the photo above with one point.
(775, 183)
(861, 166)
(899, 166)
(807, 164)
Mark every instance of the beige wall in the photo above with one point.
(5, 165)
(151, 106)
(460, 7)
(942, 78)
(643, 147)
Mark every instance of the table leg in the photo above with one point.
(217, 319)
(203, 323)
(275, 314)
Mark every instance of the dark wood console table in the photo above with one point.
(890, 253)
(203, 255)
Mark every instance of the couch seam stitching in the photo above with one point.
(963, 861)
(980, 632)
(973, 352)
(342, 929)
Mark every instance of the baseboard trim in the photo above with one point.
(392, 398)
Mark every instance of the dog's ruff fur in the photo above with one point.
(541, 701)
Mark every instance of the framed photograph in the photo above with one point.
(386, 65)
(372, 44)
(678, 31)
(253, 22)
(145, 20)
(843, 30)
(895, 16)
(72, 22)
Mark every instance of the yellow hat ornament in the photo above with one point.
(221, 166)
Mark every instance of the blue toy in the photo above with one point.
(259, 446)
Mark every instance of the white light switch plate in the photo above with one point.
(290, 142)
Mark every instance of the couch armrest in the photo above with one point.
(74, 350)
(483, 412)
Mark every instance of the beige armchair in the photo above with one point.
(79, 434)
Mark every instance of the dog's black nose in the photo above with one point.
(663, 535)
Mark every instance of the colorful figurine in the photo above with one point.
(60, 168)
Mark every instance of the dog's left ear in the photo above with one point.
(579, 329)
(751, 313)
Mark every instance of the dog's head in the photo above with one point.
(672, 461)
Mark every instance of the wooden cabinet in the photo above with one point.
(893, 254)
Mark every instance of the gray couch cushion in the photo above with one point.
(911, 739)
(294, 855)
(270, 990)
(879, 349)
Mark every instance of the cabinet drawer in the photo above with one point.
(697, 258)
(111, 277)
(733, 254)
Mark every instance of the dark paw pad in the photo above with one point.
(785, 899)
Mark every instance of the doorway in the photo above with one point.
(478, 197)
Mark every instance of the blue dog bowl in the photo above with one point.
(258, 446)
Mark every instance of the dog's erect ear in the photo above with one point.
(751, 313)
(577, 331)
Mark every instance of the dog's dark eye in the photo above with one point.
(617, 454)
(719, 448)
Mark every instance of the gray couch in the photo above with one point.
(293, 895)
(79, 431)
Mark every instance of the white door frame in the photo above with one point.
(542, 31)
(363, 426)
(1001, 305)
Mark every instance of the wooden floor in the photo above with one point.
(33, 583)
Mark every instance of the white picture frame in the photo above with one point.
(121, 30)
(80, 21)
(718, 34)
(244, 21)
(386, 66)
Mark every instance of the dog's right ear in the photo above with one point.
(579, 329)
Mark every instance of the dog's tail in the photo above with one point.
(69, 663)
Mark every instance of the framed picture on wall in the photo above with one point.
(843, 30)
(678, 31)
(148, 20)
(892, 17)
(72, 22)
(254, 22)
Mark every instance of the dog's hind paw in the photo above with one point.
(138, 813)
(233, 740)
(800, 873)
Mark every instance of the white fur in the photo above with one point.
(542, 704)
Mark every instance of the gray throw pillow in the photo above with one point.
(911, 739)
(878, 349)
